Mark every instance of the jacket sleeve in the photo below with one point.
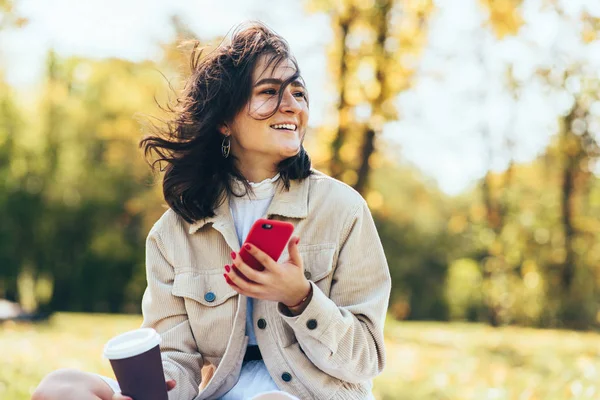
(343, 334)
(167, 315)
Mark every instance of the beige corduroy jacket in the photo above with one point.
(332, 350)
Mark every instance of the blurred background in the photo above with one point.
(471, 127)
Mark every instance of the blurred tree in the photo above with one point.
(12, 192)
(504, 16)
(411, 214)
(511, 267)
(374, 57)
(11, 127)
(576, 152)
(77, 226)
(78, 241)
(8, 15)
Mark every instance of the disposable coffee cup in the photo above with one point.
(135, 359)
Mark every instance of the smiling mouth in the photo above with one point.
(285, 127)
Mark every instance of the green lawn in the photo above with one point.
(425, 360)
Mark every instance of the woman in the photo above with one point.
(311, 325)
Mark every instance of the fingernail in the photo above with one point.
(248, 247)
(228, 280)
(297, 240)
(233, 255)
(227, 268)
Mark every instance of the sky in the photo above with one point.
(458, 96)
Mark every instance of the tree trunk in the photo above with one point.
(336, 165)
(567, 194)
(368, 148)
(495, 223)
(571, 147)
(368, 141)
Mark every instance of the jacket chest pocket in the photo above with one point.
(318, 262)
(211, 305)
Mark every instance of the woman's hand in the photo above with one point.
(118, 396)
(281, 282)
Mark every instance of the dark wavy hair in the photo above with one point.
(197, 177)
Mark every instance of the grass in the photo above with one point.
(425, 360)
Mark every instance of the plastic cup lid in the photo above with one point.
(131, 343)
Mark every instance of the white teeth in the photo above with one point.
(290, 127)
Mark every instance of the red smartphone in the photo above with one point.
(271, 236)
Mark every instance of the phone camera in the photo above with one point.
(267, 226)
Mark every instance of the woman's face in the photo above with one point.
(260, 141)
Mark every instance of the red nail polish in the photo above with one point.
(248, 247)
(227, 268)
(228, 280)
(297, 240)
(233, 255)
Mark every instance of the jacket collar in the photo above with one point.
(292, 203)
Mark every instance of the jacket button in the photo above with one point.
(262, 324)
(286, 377)
(210, 297)
(307, 274)
(311, 324)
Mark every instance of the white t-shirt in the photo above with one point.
(254, 377)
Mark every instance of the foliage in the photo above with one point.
(8, 16)
(504, 16)
(373, 58)
(76, 186)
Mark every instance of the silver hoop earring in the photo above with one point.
(226, 146)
